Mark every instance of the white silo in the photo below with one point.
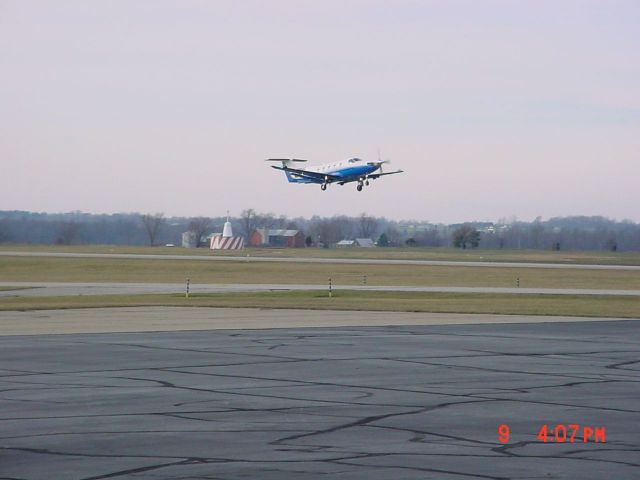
(227, 231)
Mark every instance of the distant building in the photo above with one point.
(264, 237)
(346, 243)
(365, 243)
(358, 242)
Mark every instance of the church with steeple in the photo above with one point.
(227, 241)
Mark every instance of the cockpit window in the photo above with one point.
(354, 160)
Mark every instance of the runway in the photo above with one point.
(56, 289)
(248, 258)
(402, 401)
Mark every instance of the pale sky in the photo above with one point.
(493, 108)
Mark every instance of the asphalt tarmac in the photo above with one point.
(401, 402)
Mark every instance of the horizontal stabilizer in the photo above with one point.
(284, 160)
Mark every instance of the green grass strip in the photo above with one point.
(559, 305)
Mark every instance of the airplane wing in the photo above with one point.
(376, 175)
(315, 176)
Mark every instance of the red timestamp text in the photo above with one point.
(561, 433)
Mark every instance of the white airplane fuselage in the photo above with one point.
(349, 170)
(345, 171)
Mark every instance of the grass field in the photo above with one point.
(33, 269)
(448, 254)
(577, 305)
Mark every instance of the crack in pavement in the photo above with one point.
(374, 402)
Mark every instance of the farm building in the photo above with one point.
(358, 242)
(264, 237)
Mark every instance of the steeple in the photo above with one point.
(227, 231)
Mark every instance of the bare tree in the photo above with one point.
(429, 238)
(536, 231)
(281, 222)
(67, 232)
(4, 235)
(269, 220)
(248, 219)
(329, 231)
(153, 224)
(199, 226)
(393, 235)
(367, 226)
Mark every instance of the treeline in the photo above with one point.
(562, 233)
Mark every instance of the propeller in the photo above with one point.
(380, 162)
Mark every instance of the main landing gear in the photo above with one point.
(361, 183)
(323, 187)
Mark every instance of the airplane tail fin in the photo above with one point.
(288, 163)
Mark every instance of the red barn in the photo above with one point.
(263, 237)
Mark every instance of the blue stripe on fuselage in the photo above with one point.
(353, 173)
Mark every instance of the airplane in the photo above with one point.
(351, 170)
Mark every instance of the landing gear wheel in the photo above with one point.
(367, 183)
(323, 187)
(359, 187)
